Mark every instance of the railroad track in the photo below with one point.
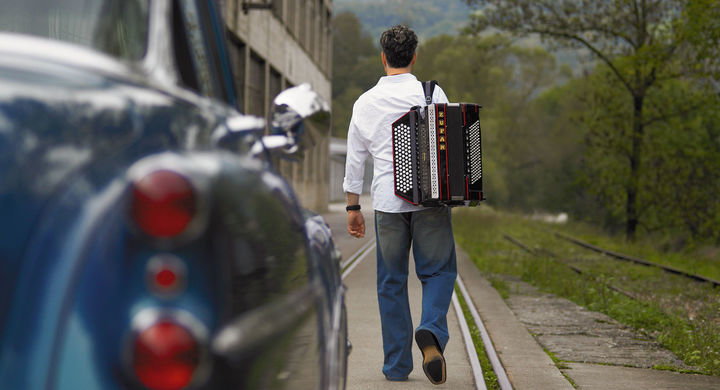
(636, 260)
(356, 258)
(497, 367)
(575, 269)
(464, 321)
(616, 255)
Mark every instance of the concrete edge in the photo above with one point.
(526, 363)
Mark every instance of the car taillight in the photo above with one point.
(166, 275)
(165, 356)
(166, 279)
(163, 204)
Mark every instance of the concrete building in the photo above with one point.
(338, 154)
(276, 44)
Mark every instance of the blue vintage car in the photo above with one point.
(146, 242)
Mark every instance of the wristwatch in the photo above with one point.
(354, 207)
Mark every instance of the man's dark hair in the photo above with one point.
(399, 44)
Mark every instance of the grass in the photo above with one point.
(500, 285)
(682, 315)
(491, 381)
(561, 364)
(663, 367)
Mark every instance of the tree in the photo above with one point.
(505, 79)
(679, 180)
(356, 67)
(639, 41)
(703, 33)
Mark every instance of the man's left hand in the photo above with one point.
(356, 224)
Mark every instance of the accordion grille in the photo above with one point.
(475, 152)
(403, 158)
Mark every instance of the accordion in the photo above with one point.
(437, 155)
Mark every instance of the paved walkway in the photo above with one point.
(366, 360)
(527, 364)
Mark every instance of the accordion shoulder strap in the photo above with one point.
(429, 88)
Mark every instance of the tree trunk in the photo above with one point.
(635, 158)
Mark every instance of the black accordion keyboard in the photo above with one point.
(437, 155)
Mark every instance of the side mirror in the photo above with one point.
(238, 133)
(294, 105)
(293, 109)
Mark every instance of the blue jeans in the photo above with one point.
(429, 232)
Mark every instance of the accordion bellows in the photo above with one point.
(437, 155)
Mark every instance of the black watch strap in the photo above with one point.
(354, 207)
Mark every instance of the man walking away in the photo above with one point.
(400, 225)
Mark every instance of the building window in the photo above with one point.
(319, 31)
(237, 56)
(256, 86)
(278, 8)
(291, 16)
(312, 24)
(302, 23)
(275, 83)
(327, 63)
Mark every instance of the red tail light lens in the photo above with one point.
(166, 278)
(163, 204)
(166, 356)
(166, 275)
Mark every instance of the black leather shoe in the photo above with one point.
(433, 360)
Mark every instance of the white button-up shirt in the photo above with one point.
(370, 134)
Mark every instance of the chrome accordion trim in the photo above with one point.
(432, 133)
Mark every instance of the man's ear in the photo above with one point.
(383, 59)
(412, 62)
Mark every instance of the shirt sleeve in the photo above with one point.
(357, 152)
(439, 95)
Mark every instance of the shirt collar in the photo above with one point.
(398, 78)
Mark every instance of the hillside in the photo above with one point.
(427, 17)
(430, 18)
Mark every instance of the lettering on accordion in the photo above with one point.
(437, 155)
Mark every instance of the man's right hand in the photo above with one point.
(356, 224)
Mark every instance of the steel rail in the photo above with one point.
(519, 244)
(469, 345)
(356, 254)
(357, 259)
(490, 351)
(637, 260)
